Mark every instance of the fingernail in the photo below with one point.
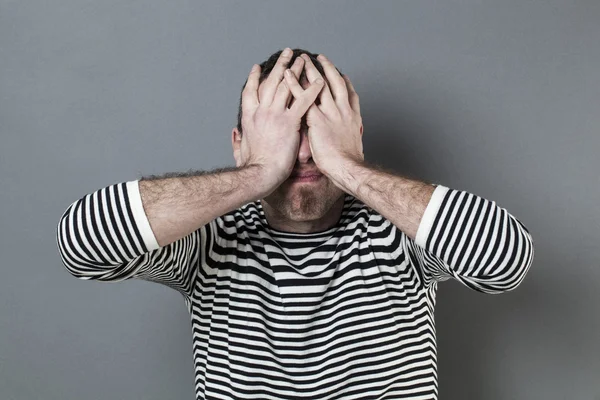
(321, 57)
(287, 51)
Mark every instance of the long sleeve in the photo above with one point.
(471, 239)
(106, 236)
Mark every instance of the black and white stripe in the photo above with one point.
(347, 313)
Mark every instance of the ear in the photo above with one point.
(236, 143)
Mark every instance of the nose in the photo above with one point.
(304, 153)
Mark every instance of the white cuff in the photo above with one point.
(430, 213)
(139, 215)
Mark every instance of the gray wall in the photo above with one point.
(497, 98)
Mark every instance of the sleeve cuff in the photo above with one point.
(139, 215)
(430, 213)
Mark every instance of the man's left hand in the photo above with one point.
(334, 126)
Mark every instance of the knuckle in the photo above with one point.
(340, 80)
(246, 121)
(269, 115)
(247, 89)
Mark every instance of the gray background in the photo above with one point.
(497, 98)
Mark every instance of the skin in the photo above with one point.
(304, 206)
(327, 135)
(331, 141)
(301, 206)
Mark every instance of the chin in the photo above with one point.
(304, 203)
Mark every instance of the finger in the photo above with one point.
(297, 66)
(312, 73)
(283, 94)
(281, 97)
(250, 92)
(336, 82)
(306, 98)
(352, 95)
(297, 71)
(293, 84)
(312, 113)
(275, 77)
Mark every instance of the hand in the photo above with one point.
(270, 129)
(335, 125)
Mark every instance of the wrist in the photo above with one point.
(347, 174)
(260, 180)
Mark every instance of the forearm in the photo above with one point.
(465, 236)
(177, 206)
(400, 200)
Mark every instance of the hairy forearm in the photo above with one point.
(400, 200)
(178, 204)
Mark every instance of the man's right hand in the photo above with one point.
(271, 130)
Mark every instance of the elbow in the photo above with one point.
(509, 281)
(509, 273)
(76, 268)
(73, 254)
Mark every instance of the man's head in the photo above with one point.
(267, 66)
(296, 201)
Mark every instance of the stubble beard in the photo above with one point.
(303, 203)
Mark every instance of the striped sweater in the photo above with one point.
(347, 313)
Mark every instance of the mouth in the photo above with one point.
(306, 177)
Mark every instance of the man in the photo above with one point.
(307, 272)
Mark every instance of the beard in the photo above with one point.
(303, 202)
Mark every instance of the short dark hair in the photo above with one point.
(267, 66)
